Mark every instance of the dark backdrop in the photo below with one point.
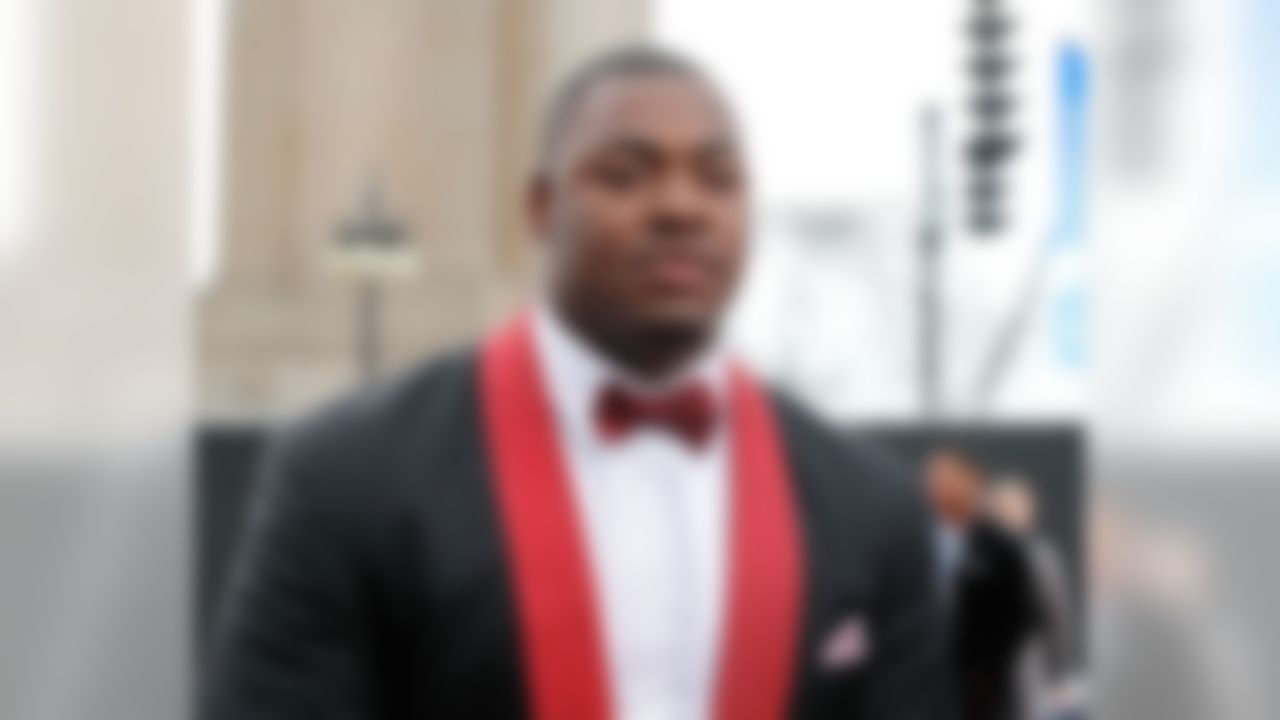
(1049, 456)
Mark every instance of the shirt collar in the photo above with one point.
(574, 372)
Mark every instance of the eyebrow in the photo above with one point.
(648, 151)
(720, 146)
(633, 145)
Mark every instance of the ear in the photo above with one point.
(538, 205)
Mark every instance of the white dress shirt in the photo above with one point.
(654, 513)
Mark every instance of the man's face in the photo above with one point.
(1014, 506)
(953, 487)
(643, 205)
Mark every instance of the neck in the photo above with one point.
(958, 520)
(650, 353)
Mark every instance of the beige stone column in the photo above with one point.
(436, 102)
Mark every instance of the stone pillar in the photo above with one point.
(438, 102)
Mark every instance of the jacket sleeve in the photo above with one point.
(290, 640)
(909, 678)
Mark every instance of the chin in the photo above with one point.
(674, 321)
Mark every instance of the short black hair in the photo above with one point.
(964, 455)
(620, 62)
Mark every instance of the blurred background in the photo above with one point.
(1046, 233)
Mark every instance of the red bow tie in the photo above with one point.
(687, 412)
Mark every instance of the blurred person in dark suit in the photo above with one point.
(987, 587)
(595, 513)
(1046, 669)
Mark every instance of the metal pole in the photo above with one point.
(929, 300)
(368, 328)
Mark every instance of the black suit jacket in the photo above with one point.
(994, 611)
(373, 584)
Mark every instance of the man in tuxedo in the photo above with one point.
(987, 586)
(596, 513)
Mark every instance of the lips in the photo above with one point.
(679, 271)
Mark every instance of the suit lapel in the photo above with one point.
(562, 652)
(765, 566)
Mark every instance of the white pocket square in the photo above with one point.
(846, 645)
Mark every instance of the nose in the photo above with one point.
(679, 205)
